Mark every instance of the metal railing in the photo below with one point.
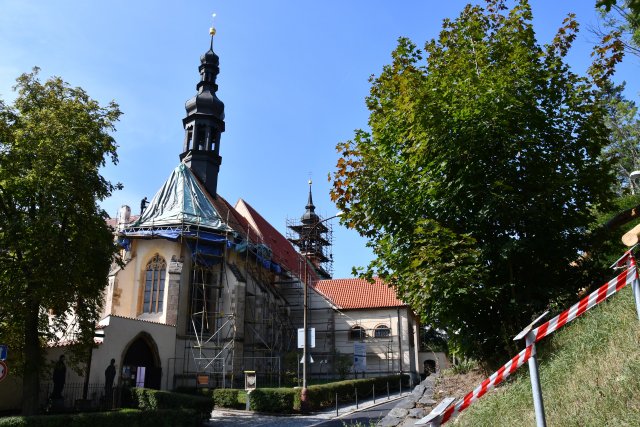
(98, 397)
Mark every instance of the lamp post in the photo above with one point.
(305, 325)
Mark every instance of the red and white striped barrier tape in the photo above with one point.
(488, 384)
(591, 300)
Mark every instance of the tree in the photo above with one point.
(56, 249)
(477, 181)
(623, 17)
(624, 146)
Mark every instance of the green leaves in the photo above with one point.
(476, 179)
(56, 247)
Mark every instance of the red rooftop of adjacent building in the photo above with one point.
(358, 293)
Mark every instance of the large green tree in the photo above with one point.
(480, 173)
(55, 247)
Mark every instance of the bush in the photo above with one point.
(126, 417)
(324, 396)
(153, 400)
(278, 400)
(226, 397)
(197, 391)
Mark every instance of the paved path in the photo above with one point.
(366, 411)
(365, 417)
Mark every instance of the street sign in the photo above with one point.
(4, 370)
(3, 352)
(359, 357)
(312, 337)
(310, 359)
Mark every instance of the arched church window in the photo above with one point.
(382, 331)
(357, 333)
(155, 274)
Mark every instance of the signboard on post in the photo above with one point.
(4, 370)
(359, 357)
(312, 337)
(249, 380)
(3, 352)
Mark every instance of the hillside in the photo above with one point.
(590, 374)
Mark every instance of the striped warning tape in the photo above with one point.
(488, 384)
(591, 300)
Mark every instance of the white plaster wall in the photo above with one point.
(442, 362)
(119, 333)
(383, 353)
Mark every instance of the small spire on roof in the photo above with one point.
(310, 201)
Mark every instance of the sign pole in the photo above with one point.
(536, 390)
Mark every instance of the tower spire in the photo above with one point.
(310, 216)
(312, 236)
(204, 123)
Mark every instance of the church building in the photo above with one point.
(208, 290)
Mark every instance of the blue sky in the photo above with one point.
(293, 77)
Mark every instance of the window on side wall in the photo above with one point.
(357, 333)
(382, 331)
(154, 277)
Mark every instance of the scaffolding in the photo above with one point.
(314, 240)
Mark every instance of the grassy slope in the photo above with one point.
(589, 370)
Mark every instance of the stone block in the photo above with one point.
(398, 412)
(389, 422)
(417, 413)
(406, 403)
(427, 401)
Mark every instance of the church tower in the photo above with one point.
(312, 236)
(204, 123)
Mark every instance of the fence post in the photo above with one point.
(538, 404)
(356, 397)
(336, 404)
(530, 339)
(635, 286)
(374, 393)
(400, 385)
(388, 394)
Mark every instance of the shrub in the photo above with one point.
(153, 400)
(197, 391)
(226, 397)
(278, 400)
(126, 417)
(324, 396)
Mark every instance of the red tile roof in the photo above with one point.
(283, 251)
(230, 216)
(113, 222)
(358, 293)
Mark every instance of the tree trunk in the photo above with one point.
(31, 378)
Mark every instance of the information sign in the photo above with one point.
(4, 370)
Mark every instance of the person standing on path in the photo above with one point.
(109, 376)
(59, 378)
